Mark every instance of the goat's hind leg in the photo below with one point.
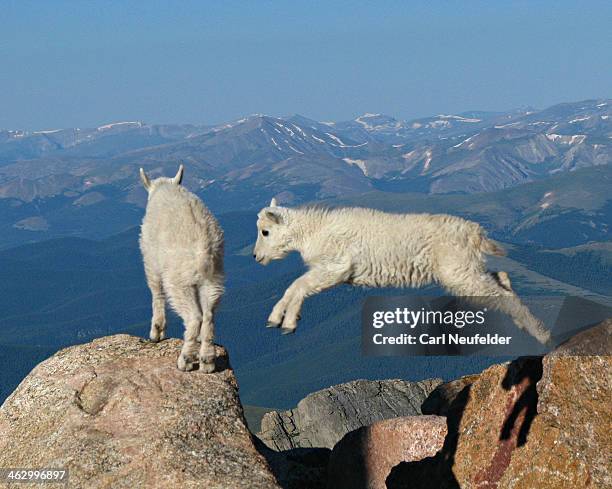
(186, 303)
(209, 294)
(497, 294)
(158, 319)
(503, 279)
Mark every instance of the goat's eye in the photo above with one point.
(265, 232)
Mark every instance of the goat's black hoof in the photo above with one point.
(286, 331)
(272, 325)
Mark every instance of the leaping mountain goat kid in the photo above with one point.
(376, 249)
(182, 249)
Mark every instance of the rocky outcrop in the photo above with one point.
(324, 417)
(117, 413)
(364, 458)
(534, 422)
(496, 420)
(569, 443)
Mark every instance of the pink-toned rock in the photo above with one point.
(532, 423)
(364, 458)
(570, 441)
(117, 413)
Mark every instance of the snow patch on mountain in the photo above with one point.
(576, 138)
(459, 118)
(469, 146)
(299, 129)
(285, 128)
(337, 139)
(378, 122)
(510, 124)
(361, 164)
(546, 200)
(439, 123)
(106, 127)
(580, 119)
(428, 158)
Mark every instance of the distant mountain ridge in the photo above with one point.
(54, 182)
(470, 152)
(104, 140)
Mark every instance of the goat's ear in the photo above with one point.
(145, 180)
(179, 176)
(273, 202)
(275, 216)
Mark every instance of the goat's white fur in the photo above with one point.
(372, 248)
(182, 250)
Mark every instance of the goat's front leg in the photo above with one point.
(209, 293)
(278, 311)
(158, 321)
(312, 282)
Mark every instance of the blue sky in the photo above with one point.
(78, 63)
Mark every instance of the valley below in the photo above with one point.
(71, 203)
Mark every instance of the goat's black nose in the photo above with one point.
(254, 256)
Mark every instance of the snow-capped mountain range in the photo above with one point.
(56, 176)
(469, 152)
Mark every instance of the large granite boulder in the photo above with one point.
(496, 420)
(321, 419)
(117, 413)
(364, 458)
(534, 422)
(570, 442)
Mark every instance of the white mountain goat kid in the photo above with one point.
(182, 250)
(376, 249)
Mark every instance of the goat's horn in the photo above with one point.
(179, 175)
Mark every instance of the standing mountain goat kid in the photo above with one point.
(182, 249)
(372, 248)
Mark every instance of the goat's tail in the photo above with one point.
(490, 247)
(478, 240)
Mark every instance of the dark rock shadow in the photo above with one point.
(221, 364)
(299, 468)
(529, 371)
